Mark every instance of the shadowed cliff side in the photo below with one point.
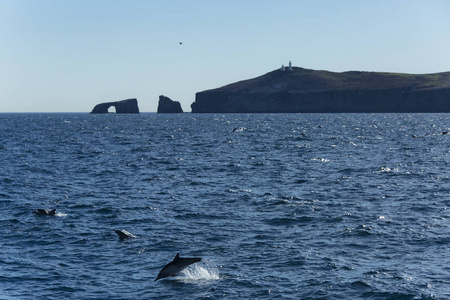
(128, 106)
(311, 91)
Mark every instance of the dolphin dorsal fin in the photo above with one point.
(177, 257)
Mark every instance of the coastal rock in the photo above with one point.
(128, 106)
(310, 91)
(167, 105)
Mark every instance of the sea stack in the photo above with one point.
(167, 105)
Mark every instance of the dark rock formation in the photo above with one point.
(128, 106)
(310, 91)
(167, 105)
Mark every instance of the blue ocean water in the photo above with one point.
(279, 206)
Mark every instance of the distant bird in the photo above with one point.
(45, 212)
(181, 43)
(123, 234)
(177, 265)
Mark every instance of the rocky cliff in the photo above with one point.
(311, 91)
(167, 105)
(128, 106)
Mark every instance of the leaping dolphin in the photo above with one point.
(123, 234)
(45, 212)
(177, 265)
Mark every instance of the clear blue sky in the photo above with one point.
(68, 55)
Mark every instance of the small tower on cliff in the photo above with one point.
(290, 66)
(282, 68)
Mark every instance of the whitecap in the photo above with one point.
(321, 160)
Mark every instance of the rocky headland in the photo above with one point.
(167, 105)
(302, 90)
(128, 106)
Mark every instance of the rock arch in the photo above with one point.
(128, 106)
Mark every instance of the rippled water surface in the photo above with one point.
(284, 206)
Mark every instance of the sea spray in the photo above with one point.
(205, 270)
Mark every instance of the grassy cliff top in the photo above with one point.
(306, 80)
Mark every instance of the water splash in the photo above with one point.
(205, 270)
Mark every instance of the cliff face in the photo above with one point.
(167, 105)
(311, 91)
(128, 106)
